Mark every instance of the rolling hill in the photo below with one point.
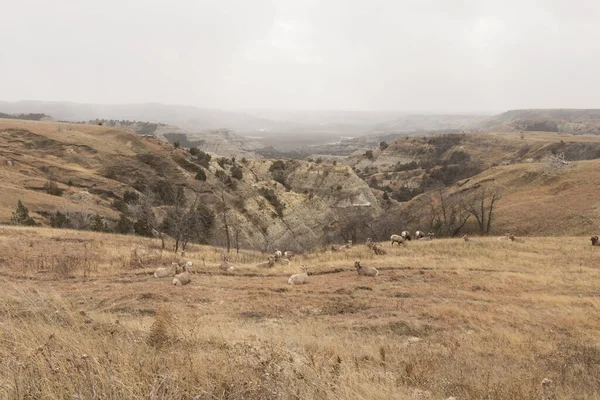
(94, 166)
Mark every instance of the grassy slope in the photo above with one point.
(534, 203)
(40, 150)
(484, 319)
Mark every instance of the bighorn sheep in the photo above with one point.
(406, 235)
(397, 239)
(377, 249)
(419, 234)
(299, 279)
(365, 271)
(508, 236)
(183, 278)
(348, 245)
(595, 241)
(288, 254)
(164, 272)
(429, 236)
(278, 255)
(466, 238)
(268, 264)
(226, 265)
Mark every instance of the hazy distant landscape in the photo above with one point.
(300, 200)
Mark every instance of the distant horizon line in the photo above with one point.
(304, 110)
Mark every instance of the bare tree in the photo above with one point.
(447, 215)
(555, 163)
(236, 228)
(185, 224)
(481, 205)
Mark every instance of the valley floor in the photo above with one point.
(83, 317)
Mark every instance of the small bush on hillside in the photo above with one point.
(59, 220)
(52, 188)
(277, 166)
(383, 145)
(369, 154)
(21, 216)
(236, 172)
(223, 161)
(130, 197)
(194, 151)
(273, 199)
(203, 158)
(226, 179)
(176, 144)
(98, 224)
(124, 225)
(405, 193)
(141, 227)
(201, 175)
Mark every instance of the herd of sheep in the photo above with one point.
(181, 274)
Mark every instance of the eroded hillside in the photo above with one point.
(294, 206)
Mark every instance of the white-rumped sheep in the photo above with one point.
(269, 264)
(226, 265)
(397, 239)
(429, 236)
(406, 235)
(299, 279)
(278, 254)
(419, 234)
(348, 245)
(182, 279)
(595, 241)
(507, 237)
(288, 254)
(365, 271)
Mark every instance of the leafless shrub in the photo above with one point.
(555, 163)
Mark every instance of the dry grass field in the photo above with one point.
(82, 317)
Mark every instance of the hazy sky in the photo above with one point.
(435, 55)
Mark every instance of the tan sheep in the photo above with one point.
(268, 264)
(299, 279)
(182, 279)
(226, 265)
(397, 239)
(164, 272)
(365, 271)
(507, 237)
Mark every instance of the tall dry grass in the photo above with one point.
(480, 320)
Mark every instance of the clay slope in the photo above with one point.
(96, 165)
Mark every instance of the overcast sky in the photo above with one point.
(420, 55)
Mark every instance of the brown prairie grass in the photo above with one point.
(476, 320)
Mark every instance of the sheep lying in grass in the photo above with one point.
(507, 237)
(299, 279)
(164, 272)
(466, 238)
(288, 254)
(406, 235)
(348, 245)
(377, 249)
(365, 271)
(429, 236)
(268, 264)
(182, 279)
(226, 265)
(595, 241)
(397, 239)
(284, 261)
